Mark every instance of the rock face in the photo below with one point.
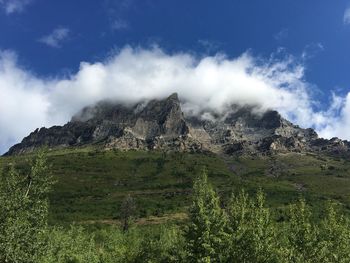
(161, 124)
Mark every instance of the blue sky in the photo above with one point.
(196, 26)
(48, 40)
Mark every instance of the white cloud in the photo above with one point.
(133, 74)
(23, 102)
(346, 18)
(14, 6)
(56, 37)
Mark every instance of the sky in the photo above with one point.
(59, 56)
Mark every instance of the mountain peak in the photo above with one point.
(173, 97)
(161, 124)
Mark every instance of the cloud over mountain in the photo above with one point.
(134, 74)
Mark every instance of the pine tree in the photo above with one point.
(206, 237)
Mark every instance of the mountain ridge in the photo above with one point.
(162, 125)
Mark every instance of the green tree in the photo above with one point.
(334, 244)
(301, 235)
(23, 212)
(127, 211)
(206, 236)
(253, 233)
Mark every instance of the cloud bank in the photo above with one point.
(133, 74)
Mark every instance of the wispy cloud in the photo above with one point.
(346, 18)
(56, 37)
(119, 24)
(116, 13)
(283, 34)
(312, 50)
(14, 6)
(209, 45)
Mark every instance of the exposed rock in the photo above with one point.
(161, 125)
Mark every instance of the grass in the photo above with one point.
(92, 183)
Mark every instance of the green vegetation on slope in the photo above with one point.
(91, 184)
(243, 231)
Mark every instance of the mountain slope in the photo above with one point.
(91, 184)
(162, 125)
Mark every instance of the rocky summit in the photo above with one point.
(162, 125)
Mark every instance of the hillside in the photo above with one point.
(91, 182)
(153, 151)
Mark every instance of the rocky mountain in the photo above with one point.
(162, 125)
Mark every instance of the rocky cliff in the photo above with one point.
(161, 124)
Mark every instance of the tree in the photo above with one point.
(127, 211)
(23, 212)
(253, 233)
(301, 234)
(206, 236)
(334, 245)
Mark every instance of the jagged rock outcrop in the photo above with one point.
(161, 124)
